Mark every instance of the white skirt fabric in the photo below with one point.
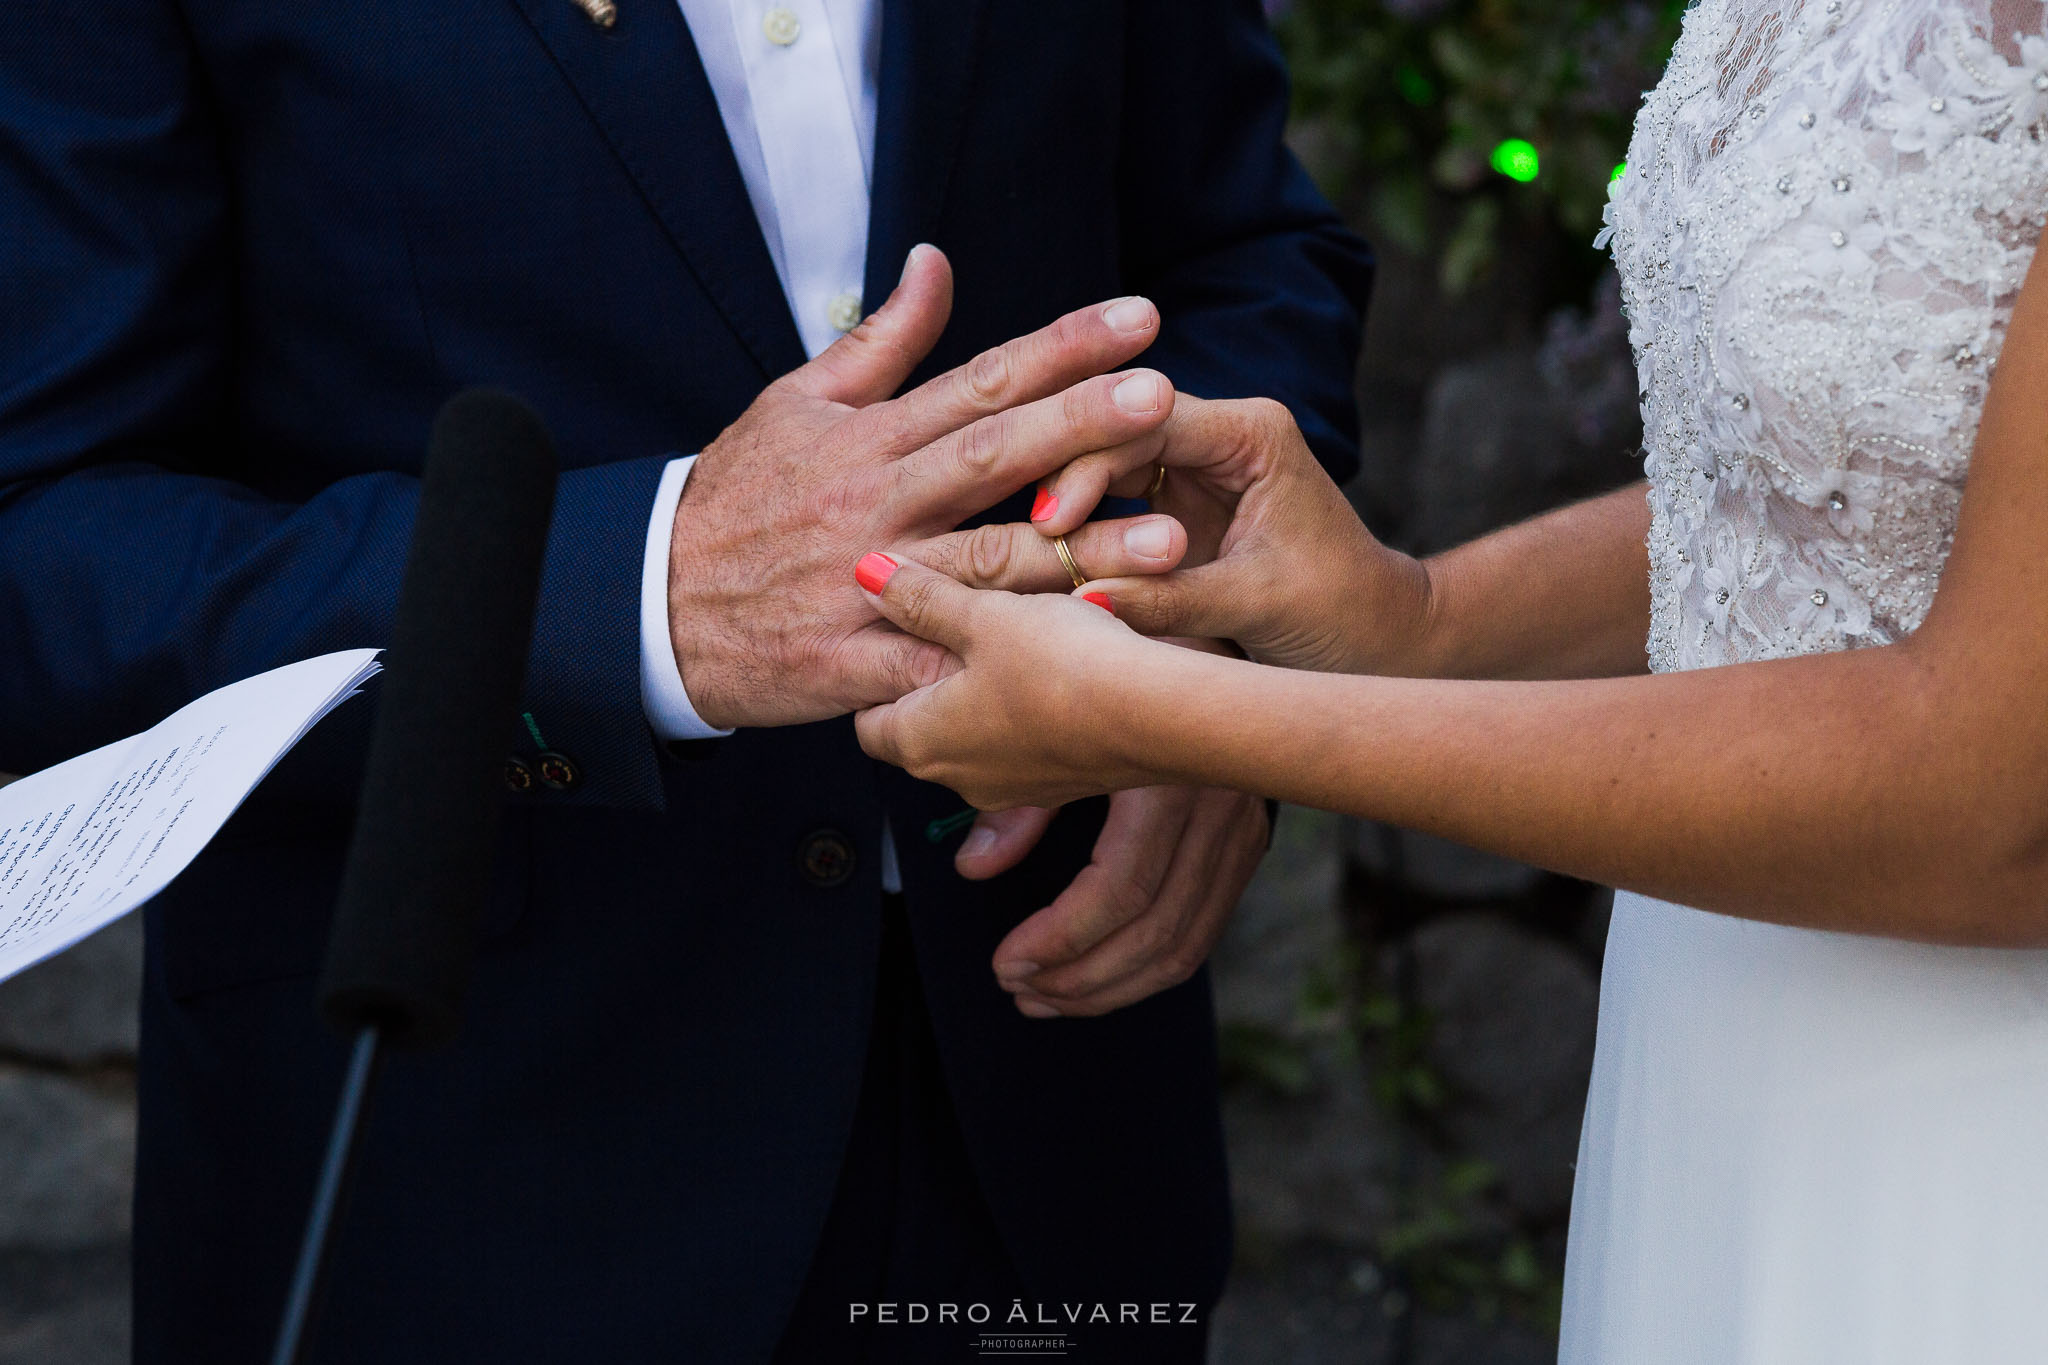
(1810, 1147)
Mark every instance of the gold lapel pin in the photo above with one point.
(603, 13)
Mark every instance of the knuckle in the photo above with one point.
(1128, 903)
(843, 502)
(1268, 414)
(987, 378)
(869, 332)
(1069, 942)
(924, 665)
(1152, 603)
(1151, 942)
(980, 449)
(988, 555)
(1162, 939)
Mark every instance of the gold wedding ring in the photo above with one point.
(1066, 554)
(1158, 482)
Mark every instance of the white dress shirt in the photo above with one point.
(795, 83)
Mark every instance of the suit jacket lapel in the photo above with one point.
(645, 88)
(928, 53)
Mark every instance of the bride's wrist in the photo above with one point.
(1140, 733)
(1394, 605)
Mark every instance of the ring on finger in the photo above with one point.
(1158, 482)
(1066, 554)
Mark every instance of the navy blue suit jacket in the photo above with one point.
(246, 249)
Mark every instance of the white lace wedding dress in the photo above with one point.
(1801, 1146)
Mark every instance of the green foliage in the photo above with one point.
(1254, 1055)
(1455, 1243)
(1453, 1251)
(1454, 123)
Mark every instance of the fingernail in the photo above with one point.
(978, 843)
(911, 259)
(1142, 392)
(1151, 538)
(1044, 505)
(1038, 1009)
(874, 572)
(1007, 972)
(1129, 315)
(1100, 599)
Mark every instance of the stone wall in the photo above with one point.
(1403, 1083)
(67, 1152)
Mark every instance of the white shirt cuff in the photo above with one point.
(661, 681)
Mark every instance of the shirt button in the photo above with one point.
(844, 312)
(825, 858)
(518, 776)
(781, 26)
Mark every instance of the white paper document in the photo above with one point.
(85, 842)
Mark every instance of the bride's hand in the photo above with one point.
(1277, 561)
(1024, 714)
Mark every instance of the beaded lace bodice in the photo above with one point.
(1828, 211)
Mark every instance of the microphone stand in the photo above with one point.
(421, 857)
(364, 1063)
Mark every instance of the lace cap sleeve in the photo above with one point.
(1830, 208)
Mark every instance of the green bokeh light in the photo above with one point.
(1415, 86)
(1517, 160)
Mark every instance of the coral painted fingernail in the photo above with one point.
(874, 572)
(1044, 505)
(1100, 599)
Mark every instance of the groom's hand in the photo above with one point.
(767, 627)
(1144, 914)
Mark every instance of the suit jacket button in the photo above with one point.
(826, 858)
(558, 772)
(518, 776)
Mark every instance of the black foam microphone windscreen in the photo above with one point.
(420, 861)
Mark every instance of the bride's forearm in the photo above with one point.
(1564, 595)
(1864, 791)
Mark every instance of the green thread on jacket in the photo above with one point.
(939, 830)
